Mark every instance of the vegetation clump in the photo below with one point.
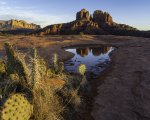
(81, 33)
(45, 92)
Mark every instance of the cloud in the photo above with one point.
(29, 14)
(2, 2)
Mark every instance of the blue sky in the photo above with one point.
(46, 12)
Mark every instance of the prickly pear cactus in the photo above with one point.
(82, 69)
(16, 107)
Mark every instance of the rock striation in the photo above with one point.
(17, 24)
(98, 23)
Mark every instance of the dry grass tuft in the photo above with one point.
(46, 103)
(75, 98)
(55, 83)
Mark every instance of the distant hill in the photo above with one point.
(98, 23)
(16, 26)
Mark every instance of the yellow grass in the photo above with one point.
(46, 103)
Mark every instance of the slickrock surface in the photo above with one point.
(124, 95)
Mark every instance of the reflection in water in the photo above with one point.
(82, 51)
(95, 58)
(95, 51)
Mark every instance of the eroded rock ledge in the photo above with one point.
(17, 24)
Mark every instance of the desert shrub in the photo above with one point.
(74, 86)
(27, 80)
(1, 34)
(46, 104)
(50, 90)
(15, 64)
(81, 33)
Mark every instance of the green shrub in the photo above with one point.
(1, 34)
(81, 33)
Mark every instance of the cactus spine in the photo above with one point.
(55, 62)
(35, 75)
(15, 64)
(58, 66)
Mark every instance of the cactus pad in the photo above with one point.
(16, 107)
(82, 69)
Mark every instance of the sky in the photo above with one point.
(46, 12)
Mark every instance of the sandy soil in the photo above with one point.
(122, 91)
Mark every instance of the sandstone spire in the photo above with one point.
(83, 15)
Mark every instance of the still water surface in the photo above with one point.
(96, 59)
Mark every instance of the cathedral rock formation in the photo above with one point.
(98, 23)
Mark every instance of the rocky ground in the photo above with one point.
(122, 91)
(124, 95)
